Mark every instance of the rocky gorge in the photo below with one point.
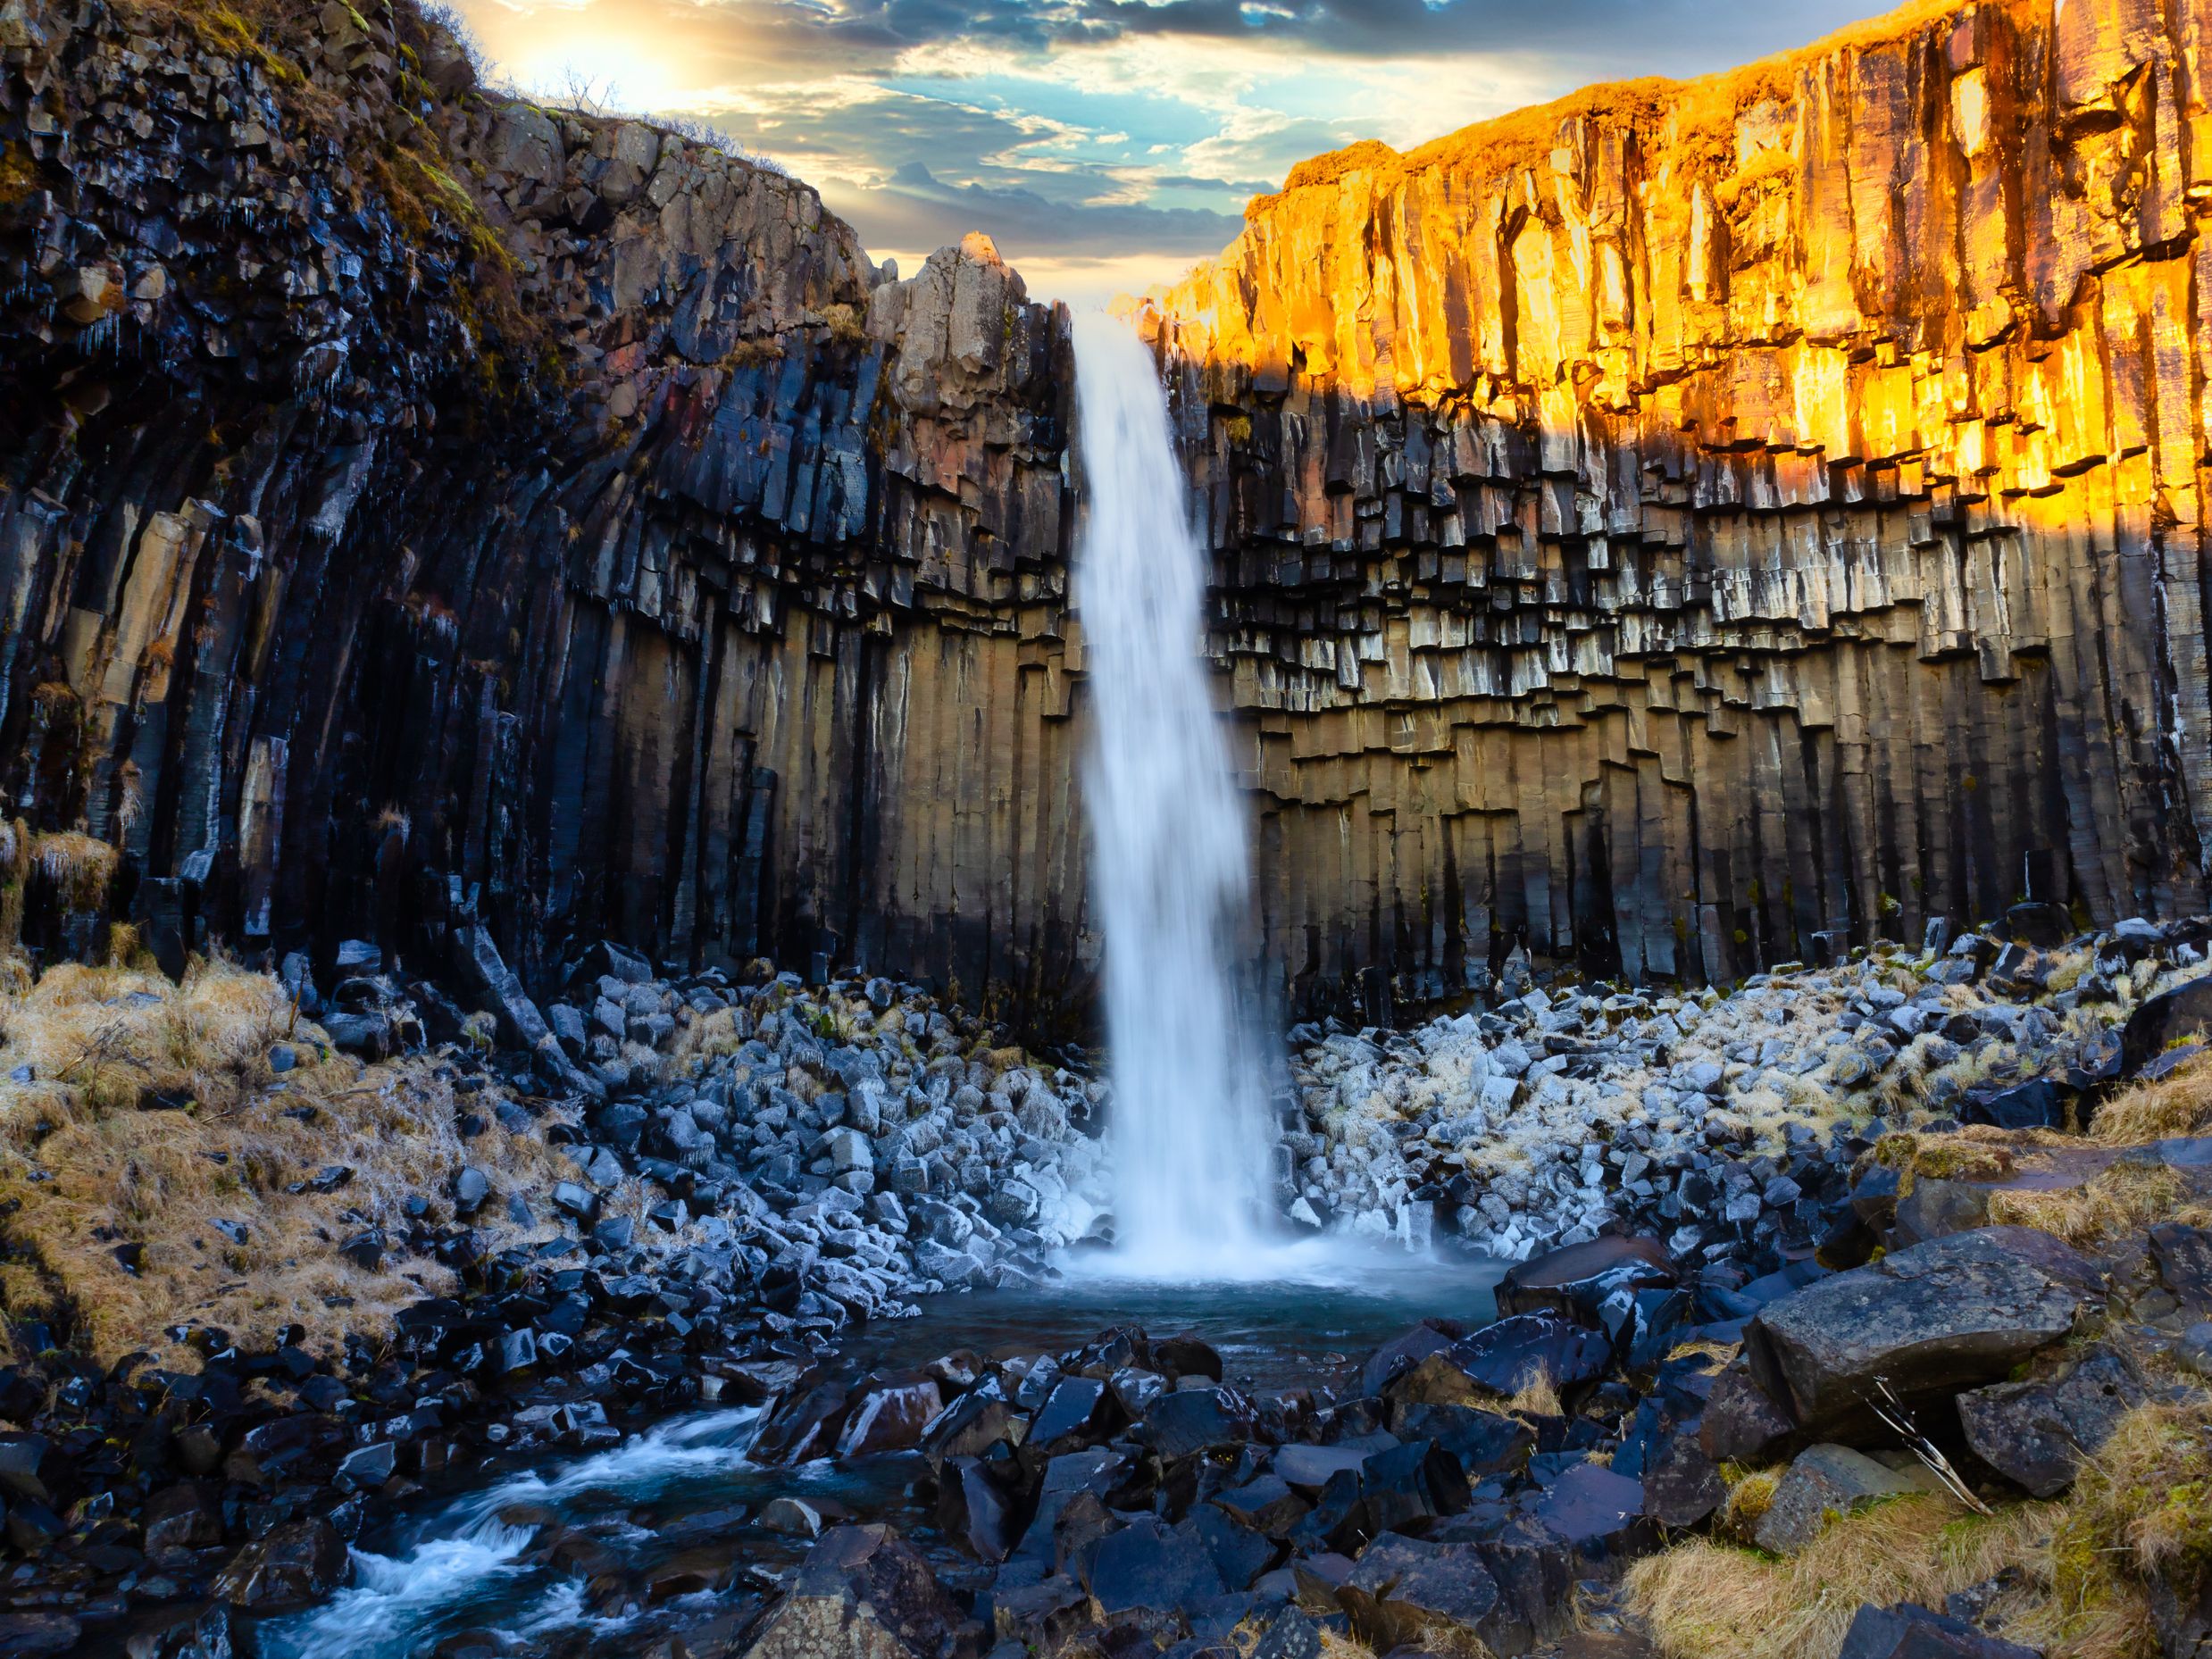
(1651, 547)
(547, 934)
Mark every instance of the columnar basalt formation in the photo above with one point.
(1698, 524)
(422, 507)
(1687, 526)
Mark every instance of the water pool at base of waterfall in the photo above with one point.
(533, 1556)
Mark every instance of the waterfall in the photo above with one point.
(1171, 872)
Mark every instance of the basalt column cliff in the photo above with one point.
(1689, 527)
(1693, 525)
(425, 513)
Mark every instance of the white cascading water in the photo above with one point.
(1170, 871)
(464, 1558)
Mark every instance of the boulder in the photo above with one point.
(1952, 1313)
(889, 1415)
(702, 1570)
(300, 1561)
(2171, 1017)
(1265, 1503)
(1068, 1412)
(1188, 1356)
(1824, 1480)
(1195, 1420)
(205, 1635)
(2039, 1431)
(32, 1466)
(1146, 1565)
(972, 1425)
(793, 1517)
(1485, 1442)
(1742, 1423)
(861, 1590)
(1239, 1553)
(1910, 1631)
(806, 1426)
(34, 1635)
(187, 1516)
(971, 1508)
(2039, 1104)
(1682, 1485)
(1308, 1468)
(2183, 1255)
(1034, 1617)
(1430, 1597)
(1093, 1472)
(1404, 1485)
(1575, 1282)
(1403, 1352)
(1506, 1357)
(1599, 1514)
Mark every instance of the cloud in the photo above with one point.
(1094, 136)
(913, 208)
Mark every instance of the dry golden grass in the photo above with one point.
(1704, 1600)
(83, 1169)
(2142, 1506)
(76, 866)
(1750, 1494)
(1538, 1397)
(2178, 1103)
(707, 1036)
(2123, 1199)
(1704, 1347)
(15, 839)
(1337, 1644)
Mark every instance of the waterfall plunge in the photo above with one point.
(1170, 869)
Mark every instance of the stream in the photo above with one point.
(679, 1495)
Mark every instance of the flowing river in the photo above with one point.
(530, 1552)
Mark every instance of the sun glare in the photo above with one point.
(619, 74)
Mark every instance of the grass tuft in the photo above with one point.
(77, 866)
(1538, 1397)
(2178, 1103)
(1707, 1600)
(2126, 1198)
(153, 1111)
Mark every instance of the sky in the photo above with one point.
(1103, 145)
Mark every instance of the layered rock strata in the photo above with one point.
(1693, 525)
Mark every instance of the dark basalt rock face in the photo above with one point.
(419, 509)
(421, 512)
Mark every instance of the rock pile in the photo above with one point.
(851, 1146)
(750, 1168)
(1725, 1124)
